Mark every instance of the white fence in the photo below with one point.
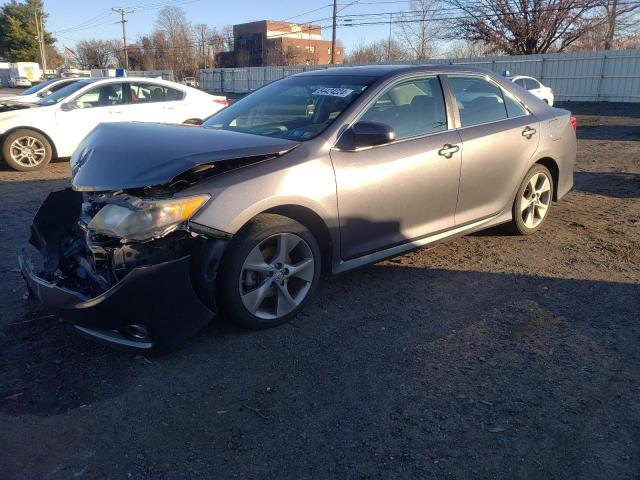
(612, 75)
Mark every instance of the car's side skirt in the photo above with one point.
(429, 241)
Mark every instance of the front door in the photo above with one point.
(101, 104)
(402, 191)
(499, 137)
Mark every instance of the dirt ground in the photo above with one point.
(489, 357)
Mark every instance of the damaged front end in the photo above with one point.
(122, 268)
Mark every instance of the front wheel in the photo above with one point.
(25, 150)
(533, 201)
(269, 272)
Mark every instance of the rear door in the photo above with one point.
(499, 137)
(402, 191)
(152, 102)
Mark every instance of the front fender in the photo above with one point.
(240, 195)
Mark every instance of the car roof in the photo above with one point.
(388, 70)
(88, 80)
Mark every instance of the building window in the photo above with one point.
(310, 48)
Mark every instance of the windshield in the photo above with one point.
(37, 87)
(296, 108)
(61, 94)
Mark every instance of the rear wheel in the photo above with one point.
(25, 150)
(269, 272)
(533, 201)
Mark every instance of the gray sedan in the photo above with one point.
(320, 172)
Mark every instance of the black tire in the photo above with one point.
(228, 280)
(26, 133)
(517, 224)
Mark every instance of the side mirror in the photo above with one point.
(73, 105)
(366, 134)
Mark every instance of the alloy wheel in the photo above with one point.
(535, 200)
(276, 276)
(27, 151)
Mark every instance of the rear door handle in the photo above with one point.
(528, 132)
(115, 111)
(448, 150)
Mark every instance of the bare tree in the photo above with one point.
(378, 52)
(227, 35)
(418, 28)
(465, 49)
(179, 53)
(97, 53)
(622, 19)
(521, 27)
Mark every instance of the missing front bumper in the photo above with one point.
(160, 297)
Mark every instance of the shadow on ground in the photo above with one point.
(424, 366)
(609, 132)
(617, 185)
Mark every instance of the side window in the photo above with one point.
(173, 95)
(102, 96)
(520, 82)
(514, 108)
(479, 100)
(412, 108)
(151, 93)
(532, 84)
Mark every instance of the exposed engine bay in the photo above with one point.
(76, 257)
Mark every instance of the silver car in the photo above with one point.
(317, 173)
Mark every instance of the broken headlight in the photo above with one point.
(146, 220)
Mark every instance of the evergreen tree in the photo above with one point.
(18, 33)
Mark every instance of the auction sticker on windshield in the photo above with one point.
(333, 92)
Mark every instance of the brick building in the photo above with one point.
(269, 42)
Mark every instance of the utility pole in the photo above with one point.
(202, 45)
(44, 48)
(333, 33)
(389, 43)
(40, 38)
(123, 12)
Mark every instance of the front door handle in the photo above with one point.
(448, 150)
(528, 132)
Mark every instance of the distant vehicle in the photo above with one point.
(38, 91)
(29, 70)
(191, 82)
(32, 134)
(322, 171)
(15, 82)
(534, 87)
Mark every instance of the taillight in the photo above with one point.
(574, 123)
(221, 101)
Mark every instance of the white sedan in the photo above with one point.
(534, 87)
(39, 90)
(19, 82)
(33, 134)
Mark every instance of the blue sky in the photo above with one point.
(72, 20)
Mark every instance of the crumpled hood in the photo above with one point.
(116, 156)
